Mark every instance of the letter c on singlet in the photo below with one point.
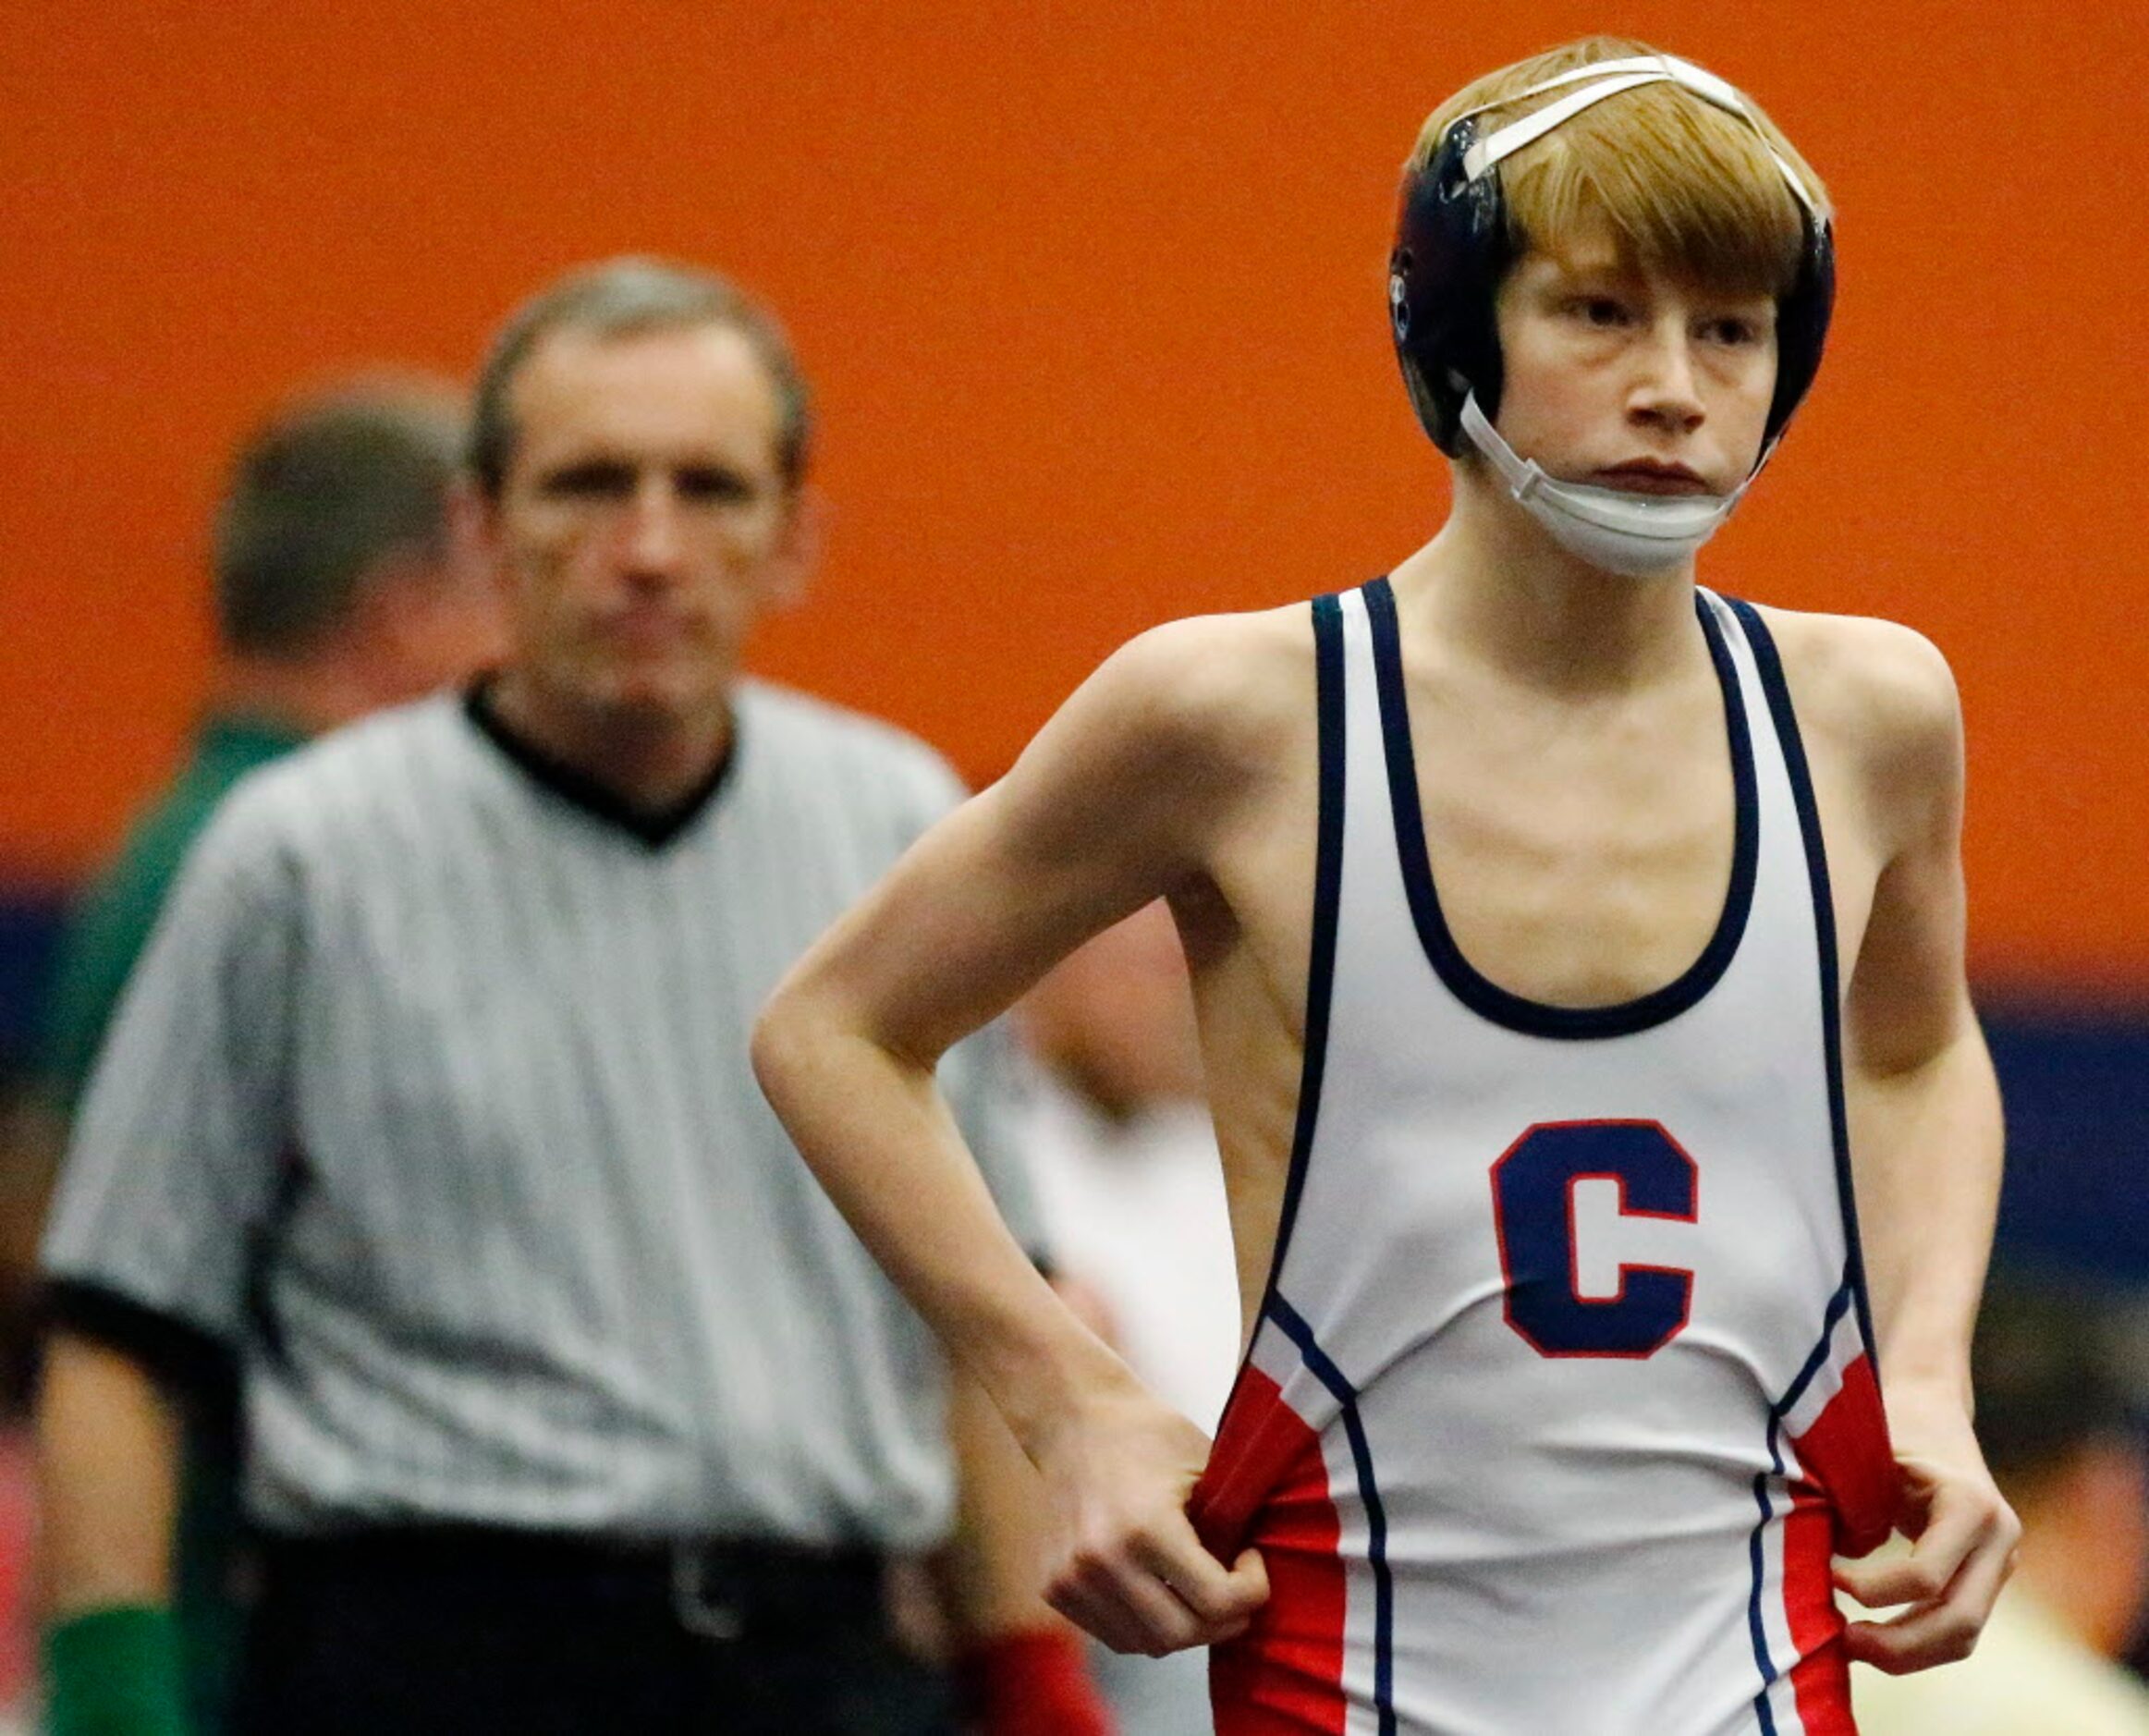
(1533, 1188)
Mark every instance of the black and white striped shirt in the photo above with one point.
(431, 1095)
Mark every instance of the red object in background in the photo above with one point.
(18, 1548)
(1033, 1684)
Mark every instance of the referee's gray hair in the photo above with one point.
(623, 297)
(319, 495)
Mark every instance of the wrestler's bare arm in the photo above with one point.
(1924, 1119)
(1119, 800)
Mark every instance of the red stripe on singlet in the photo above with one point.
(1846, 1452)
(1267, 1488)
(1821, 1678)
(1844, 1504)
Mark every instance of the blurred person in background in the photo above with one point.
(2058, 1413)
(1119, 1136)
(337, 590)
(570, 1404)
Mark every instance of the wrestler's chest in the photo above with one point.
(1580, 880)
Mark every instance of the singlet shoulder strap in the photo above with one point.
(1329, 660)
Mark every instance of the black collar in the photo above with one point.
(571, 784)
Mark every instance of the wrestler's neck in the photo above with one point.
(649, 751)
(1495, 589)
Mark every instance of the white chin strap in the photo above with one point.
(1637, 535)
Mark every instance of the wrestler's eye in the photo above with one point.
(1599, 312)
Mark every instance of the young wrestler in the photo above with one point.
(1579, 959)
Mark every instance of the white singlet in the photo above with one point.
(1562, 1394)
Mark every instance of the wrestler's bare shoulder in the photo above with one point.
(1230, 691)
(1873, 697)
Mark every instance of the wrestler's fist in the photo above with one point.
(1126, 1563)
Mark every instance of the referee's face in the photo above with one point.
(644, 523)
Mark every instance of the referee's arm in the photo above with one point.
(108, 1459)
(108, 1444)
(111, 1406)
(169, 1178)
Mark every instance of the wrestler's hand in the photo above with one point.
(1126, 1563)
(1962, 1544)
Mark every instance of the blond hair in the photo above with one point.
(1684, 186)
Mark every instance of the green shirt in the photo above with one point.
(106, 931)
(111, 922)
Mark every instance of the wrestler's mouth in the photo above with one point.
(1651, 476)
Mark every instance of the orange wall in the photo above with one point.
(1093, 295)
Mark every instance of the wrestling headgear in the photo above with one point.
(1452, 248)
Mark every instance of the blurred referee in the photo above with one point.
(570, 1403)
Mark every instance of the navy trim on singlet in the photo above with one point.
(1777, 690)
(1322, 1368)
(1845, 1293)
(1487, 998)
(1321, 963)
(1763, 1713)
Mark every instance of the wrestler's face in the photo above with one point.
(1627, 378)
(644, 523)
